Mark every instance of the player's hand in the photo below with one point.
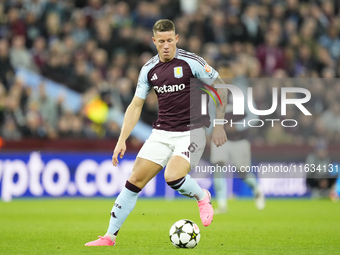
(118, 151)
(219, 137)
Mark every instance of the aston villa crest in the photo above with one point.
(178, 71)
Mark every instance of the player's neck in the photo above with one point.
(166, 60)
(162, 59)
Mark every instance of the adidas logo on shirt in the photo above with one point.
(154, 77)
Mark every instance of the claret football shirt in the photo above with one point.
(171, 82)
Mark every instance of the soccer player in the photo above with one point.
(170, 143)
(237, 151)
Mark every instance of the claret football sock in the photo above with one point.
(122, 207)
(188, 187)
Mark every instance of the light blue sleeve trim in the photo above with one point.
(143, 86)
(199, 71)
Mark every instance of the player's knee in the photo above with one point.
(175, 182)
(137, 181)
(170, 177)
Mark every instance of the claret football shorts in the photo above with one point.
(162, 145)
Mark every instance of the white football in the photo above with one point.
(184, 234)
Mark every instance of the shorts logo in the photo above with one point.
(207, 68)
(178, 72)
(192, 147)
(186, 153)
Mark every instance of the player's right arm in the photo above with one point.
(131, 118)
(132, 113)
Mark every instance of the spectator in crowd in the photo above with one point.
(10, 131)
(2, 102)
(121, 15)
(20, 57)
(39, 52)
(77, 130)
(65, 127)
(216, 32)
(80, 33)
(331, 120)
(125, 88)
(252, 24)
(82, 81)
(33, 121)
(235, 29)
(6, 67)
(16, 26)
(270, 54)
(47, 108)
(331, 41)
(95, 10)
(100, 61)
(32, 28)
(35, 7)
(112, 129)
(56, 7)
(52, 68)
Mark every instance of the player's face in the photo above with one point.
(166, 44)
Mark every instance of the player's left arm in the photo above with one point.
(208, 74)
(219, 136)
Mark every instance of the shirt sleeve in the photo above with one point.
(204, 72)
(143, 86)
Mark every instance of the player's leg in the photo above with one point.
(242, 158)
(219, 157)
(251, 180)
(143, 171)
(220, 186)
(188, 150)
(150, 160)
(176, 176)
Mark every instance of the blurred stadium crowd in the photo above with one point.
(97, 48)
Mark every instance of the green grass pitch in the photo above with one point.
(63, 226)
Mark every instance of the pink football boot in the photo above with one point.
(102, 241)
(206, 210)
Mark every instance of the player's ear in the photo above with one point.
(176, 38)
(154, 40)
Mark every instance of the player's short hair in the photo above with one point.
(163, 25)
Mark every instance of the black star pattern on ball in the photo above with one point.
(178, 231)
(182, 245)
(193, 236)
